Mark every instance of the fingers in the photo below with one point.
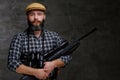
(49, 67)
(45, 75)
(47, 71)
(41, 74)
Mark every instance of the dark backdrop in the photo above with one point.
(97, 58)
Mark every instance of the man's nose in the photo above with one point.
(36, 16)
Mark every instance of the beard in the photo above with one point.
(35, 25)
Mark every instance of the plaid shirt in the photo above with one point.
(19, 45)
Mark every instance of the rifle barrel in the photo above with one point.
(93, 30)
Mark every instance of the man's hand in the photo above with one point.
(40, 74)
(49, 67)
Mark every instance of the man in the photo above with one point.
(32, 40)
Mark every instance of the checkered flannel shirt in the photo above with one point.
(19, 45)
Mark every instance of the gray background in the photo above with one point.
(97, 58)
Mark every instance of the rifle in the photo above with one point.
(62, 50)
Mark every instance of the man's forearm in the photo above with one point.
(23, 69)
(58, 63)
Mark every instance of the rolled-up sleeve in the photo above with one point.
(14, 54)
(66, 59)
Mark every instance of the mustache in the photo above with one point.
(30, 23)
(37, 21)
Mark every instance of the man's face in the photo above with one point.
(36, 17)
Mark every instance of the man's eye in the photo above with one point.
(31, 14)
(40, 13)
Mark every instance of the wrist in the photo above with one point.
(54, 64)
(34, 72)
(58, 63)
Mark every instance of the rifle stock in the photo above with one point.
(64, 49)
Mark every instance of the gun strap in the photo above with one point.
(28, 48)
(42, 35)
